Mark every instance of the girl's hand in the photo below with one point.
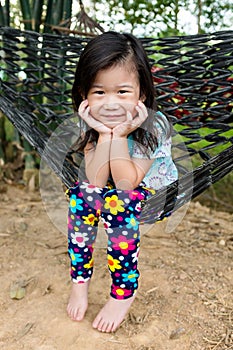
(131, 124)
(84, 113)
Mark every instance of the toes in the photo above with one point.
(109, 328)
(72, 313)
(102, 325)
(105, 327)
(114, 327)
(96, 322)
(76, 314)
(69, 312)
(80, 315)
(111, 315)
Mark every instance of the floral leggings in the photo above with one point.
(119, 211)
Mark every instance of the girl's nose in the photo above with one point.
(111, 105)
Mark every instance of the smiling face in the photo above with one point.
(115, 91)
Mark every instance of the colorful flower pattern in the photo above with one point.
(114, 204)
(119, 212)
(132, 222)
(90, 188)
(113, 264)
(90, 219)
(123, 244)
(130, 276)
(79, 238)
(75, 257)
(120, 293)
(75, 203)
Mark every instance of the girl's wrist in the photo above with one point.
(116, 136)
(105, 137)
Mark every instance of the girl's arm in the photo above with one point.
(97, 161)
(127, 172)
(96, 157)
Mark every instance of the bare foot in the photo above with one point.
(112, 314)
(78, 301)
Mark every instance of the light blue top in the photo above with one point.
(163, 170)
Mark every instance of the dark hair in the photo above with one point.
(105, 51)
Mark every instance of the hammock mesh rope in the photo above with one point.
(194, 85)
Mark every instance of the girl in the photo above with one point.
(127, 152)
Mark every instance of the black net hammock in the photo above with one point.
(193, 82)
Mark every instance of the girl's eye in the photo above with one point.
(99, 92)
(122, 91)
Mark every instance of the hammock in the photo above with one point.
(193, 82)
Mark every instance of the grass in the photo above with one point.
(219, 195)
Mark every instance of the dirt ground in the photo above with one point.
(184, 302)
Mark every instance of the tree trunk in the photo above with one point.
(199, 13)
(27, 14)
(37, 14)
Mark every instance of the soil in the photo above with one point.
(184, 301)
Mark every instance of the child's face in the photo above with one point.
(115, 91)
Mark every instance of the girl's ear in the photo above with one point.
(142, 98)
(82, 94)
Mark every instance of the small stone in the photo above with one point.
(17, 292)
(183, 276)
(177, 333)
(222, 242)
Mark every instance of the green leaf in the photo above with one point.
(17, 291)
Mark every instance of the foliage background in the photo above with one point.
(141, 17)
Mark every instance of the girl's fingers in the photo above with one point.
(86, 114)
(142, 111)
(83, 106)
(129, 116)
(141, 105)
(82, 110)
